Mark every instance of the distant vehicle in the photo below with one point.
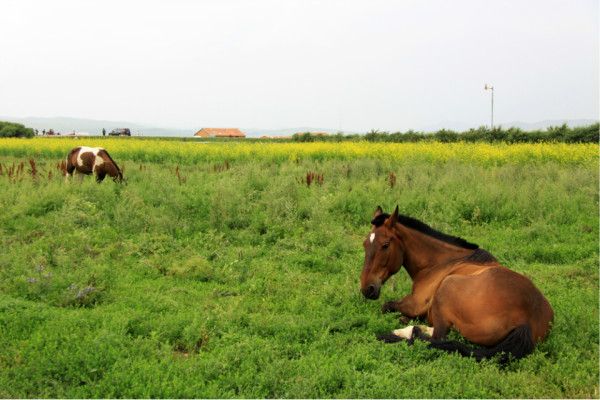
(120, 132)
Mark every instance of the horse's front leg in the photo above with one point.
(410, 306)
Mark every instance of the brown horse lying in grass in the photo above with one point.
(455, 285)
(89, 160)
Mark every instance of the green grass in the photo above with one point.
(244, 282)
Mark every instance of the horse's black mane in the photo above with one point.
(417, 225)
(113, 161)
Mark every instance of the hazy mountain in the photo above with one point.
(94, 127)
(256, 132)
(449, 125)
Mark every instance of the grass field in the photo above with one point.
(218, 272)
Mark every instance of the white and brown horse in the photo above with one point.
(93, 160)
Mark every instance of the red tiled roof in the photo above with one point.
(219, 132)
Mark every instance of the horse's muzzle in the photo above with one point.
(371, 292)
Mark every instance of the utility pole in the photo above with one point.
(490, 87)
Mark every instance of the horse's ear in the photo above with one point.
(378, 212)
(393, 219)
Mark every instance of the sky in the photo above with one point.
(346, 65)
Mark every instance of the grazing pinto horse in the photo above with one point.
(455, 285)
(89, 160)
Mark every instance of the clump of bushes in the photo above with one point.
(12, 129)
(563, 133)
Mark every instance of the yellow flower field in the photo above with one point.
(189, 151)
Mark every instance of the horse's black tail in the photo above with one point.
(518, 343)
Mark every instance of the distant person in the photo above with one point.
(44, 132)
(103, 132)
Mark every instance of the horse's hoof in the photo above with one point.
(388, 307)
(389, 338)
(403, 319)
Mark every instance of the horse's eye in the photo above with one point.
(386, 245)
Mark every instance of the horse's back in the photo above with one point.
(486, 304)
(82, 159)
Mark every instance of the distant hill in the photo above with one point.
(255, 132)
(94, 127)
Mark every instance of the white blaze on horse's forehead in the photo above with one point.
(372, 237)
(404, 333)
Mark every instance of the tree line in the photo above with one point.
(563, 133)
(12, 129)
